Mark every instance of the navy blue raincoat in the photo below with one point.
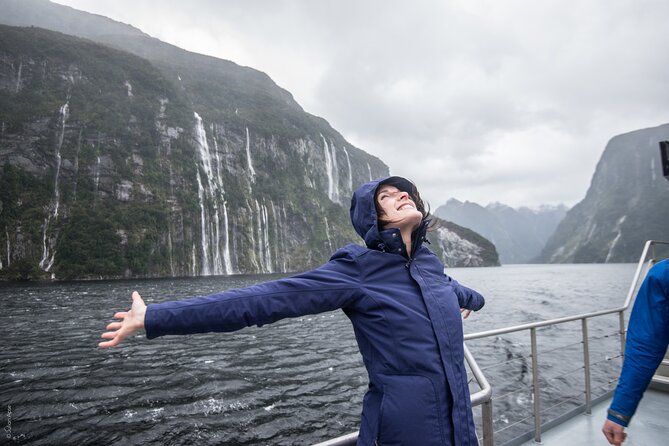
(406, 315)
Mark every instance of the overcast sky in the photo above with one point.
(481, 100)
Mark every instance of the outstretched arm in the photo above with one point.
(132, 321)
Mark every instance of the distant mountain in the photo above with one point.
(627, 203)
(519, 234)
(123, 156)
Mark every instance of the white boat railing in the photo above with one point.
(483, 397)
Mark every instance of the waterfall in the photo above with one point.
(283, 217)
(169, 246)
(335, 173)
(252, 172)
(212, 260)
(193, 261)
(369, 169)
(129, 88)
(9, 257)
(350, 172)
(18, 77)
(327, 233)
(328, 167)
(259, 245)
(266, 246)
(48, 251)
(96, 178)
(275, 232)
(76, 167)
(219, 177)
(255, 238)
(204, 243)
(332, 170)
(226, 248)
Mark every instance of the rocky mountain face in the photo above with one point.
(519, 234)
(129, 157)
(458, 246)
(627, 203)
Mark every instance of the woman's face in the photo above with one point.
(397, 209)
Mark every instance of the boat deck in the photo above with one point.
(650, 425)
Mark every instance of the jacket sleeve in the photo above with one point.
(331, 286)
(467, 298)
(647, 340)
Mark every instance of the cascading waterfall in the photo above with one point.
(9, 257)
(259, 239)
(212, 259)
(350, 171)
(283, 216)
(76, 167)
(335, 172)
(252, 172)
(331, 170)
(18, 78)
(226, 247)
(169, 246)
(369, 169)
(219, 177)
(328, 167)
(275, 233)
(203, 227)
(327, 233)
(96, 178)
(48, 251)
(193, 261)
(266, 246)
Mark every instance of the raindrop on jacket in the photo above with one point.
(406, 316)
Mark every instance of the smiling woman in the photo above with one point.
(405, 313)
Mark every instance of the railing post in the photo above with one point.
(621, 317)
(486, 415)
(586, 366)
(535, 385)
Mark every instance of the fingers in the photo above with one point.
(120, 315)
(114, 325)
(615, 434)
(465, 313)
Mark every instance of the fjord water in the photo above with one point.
(298, 381)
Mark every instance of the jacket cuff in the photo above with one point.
(617, 417)
(150, 322)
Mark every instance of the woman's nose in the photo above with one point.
(403, 196)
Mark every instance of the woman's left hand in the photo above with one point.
(465, 313)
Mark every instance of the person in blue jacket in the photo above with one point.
(405, 311)
(647, 340)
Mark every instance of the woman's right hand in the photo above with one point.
(132, 322)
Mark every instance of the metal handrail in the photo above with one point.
(644, 264)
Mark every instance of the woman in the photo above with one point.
(405, 312)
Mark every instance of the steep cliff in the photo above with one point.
(111, 168)
(627, 203)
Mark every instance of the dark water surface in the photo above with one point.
(298, 381)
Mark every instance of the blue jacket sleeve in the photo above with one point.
(331, 286)
(467, 298)
(647, 339)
